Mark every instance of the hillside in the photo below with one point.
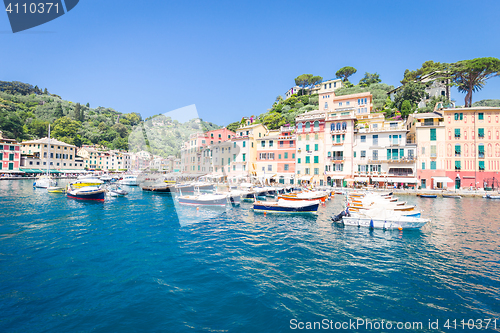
(26, 111)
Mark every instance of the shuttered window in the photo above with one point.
(457, 133)
(481, 165)
(457, 150)
(433, 134)
(480, 132)
(458, 165)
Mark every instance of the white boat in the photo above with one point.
(45, 181)
(116, 191)
(130, 180)
(489, 196)
(86, 193)
(381, 219)
(204, 199)
(106, 178)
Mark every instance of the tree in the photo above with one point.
(345, 72)
(77, 112)
(120, 129)
(470, 75)
(314, 81)
(234, 126)
(412, 92)
(88, 105)
(303, 81)
(45, 91)
(65, 127)
(405, 109)
(369, 79)
(429, 68)
(58, 112)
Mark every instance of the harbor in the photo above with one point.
(72, 263)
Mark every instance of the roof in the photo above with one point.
(428, 115)
(481, 108)
(250, 126)
(46, 140)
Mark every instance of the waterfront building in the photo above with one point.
(10, 155)
(104, 160)
(63, 157)
(275, 159)
(310, 161)
(472, 152)
(245, 143)
(382, 154)
(427, 131)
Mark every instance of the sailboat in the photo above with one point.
(45, 181)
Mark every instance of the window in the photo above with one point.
(410, 154)
(433, 151)
(458, 166)
(433, 134)
(423, 165)
(429, 122)
(480, 133)
(480, 151)
(286, 167)
(457, 133)
(354, 154)
(269, 167)
(308, 171)
(344, 125)
(332, 127)
(375, 140)
(263, 143)
(316, 159)
(308, 159)
(433, 165)
(363, 154)
(307, 137)
(307, 147)
(299, 127)
(234, 145)
(286, 156)
(480, 116)
(279, 156)
(11, 157)
(293, 156)
(298, 160)
(244, 155)
(481, 165)
(316, 147)
(340, 103)
(308, 126)
(456, 116)
(316, 171)
(271, 143)
(457, 150)
(363, 138)
(316, 125)
(375, 155)
(423, 150)
(316, 136)
(326, 105)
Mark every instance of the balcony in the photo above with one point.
(409, 159)
(480, 155)
(337, 143)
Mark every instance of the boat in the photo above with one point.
(286, 206)
(205, 199)
(489, 196)
(106, 178)
(116, 191)
(380, 219)
(305, 196)
(194, 186)
(86, 193)
(86, 181)
(427, 196)
(45, 181)
(129, 180)
(162, 187)
(56, 189)
(454, 196)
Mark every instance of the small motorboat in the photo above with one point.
(203, 200)
(116, 191)
(380, 219)
(453, 196)
(305, 196)
(86, 193)
(286, 206)
(162, 187)
(129, 180)
(44, 181)
(427, 196)
(86, 181)
(56, 189)
(489, 196)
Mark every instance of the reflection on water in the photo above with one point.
(69, 265)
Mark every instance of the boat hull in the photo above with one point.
(97, 195)
(260, 207)
(202, 202)
(410, 223)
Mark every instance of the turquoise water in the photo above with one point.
(129, 265)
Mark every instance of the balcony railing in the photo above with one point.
(336, 158)
(337, 143)
(480, 155)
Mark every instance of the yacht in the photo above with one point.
(130, 180)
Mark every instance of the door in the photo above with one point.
(457, 183)
(423, 182)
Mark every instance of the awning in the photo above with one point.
(402, 180)
(379, 179)
(442, 180)
(31, 170)
(361, 179)
(55, 171)
(336, 177)
(307, 177)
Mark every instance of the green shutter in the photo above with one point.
(308, 159)
(480, 116)
(298, 160)
(316, 147)
(286, 156)
(307, 147)
(316, 159)
(423, 165)
(456, 116)
(457, 149)
(457, 132)
(279, 156)
(388, 154)
(354, 154)
(461, 116)
(480, 149)
(395, 154)
(433, 134)
(401, 153)
(480, 132)
(293, 156)
(457, 165)
(433, 165)
(481, 165)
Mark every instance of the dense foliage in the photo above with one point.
(378, 90)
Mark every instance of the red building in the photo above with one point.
(10, 158)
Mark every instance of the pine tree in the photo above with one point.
(77, 112)
(58, 113)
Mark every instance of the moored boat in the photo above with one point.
(56, 189)
(203, 200)
(489, 196)
(286, 206)
(86, 181)
(305, 196)
(432, 196)
(453, 196)
(381, 219)
(116, 191)
(93, 193)
(162, 187)
(44, 181)
(129, 180)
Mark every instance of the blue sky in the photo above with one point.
(232, 58)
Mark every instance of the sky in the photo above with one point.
(233, 58)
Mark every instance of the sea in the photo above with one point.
(141, 263)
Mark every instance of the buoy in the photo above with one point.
(265, 213)
(197, 208)
(400, 228)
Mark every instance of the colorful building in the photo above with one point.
(10, 155)
(472, 151)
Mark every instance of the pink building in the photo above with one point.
(10, 155)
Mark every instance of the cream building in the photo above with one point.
(63, 156)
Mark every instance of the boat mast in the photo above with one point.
(48, 164)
